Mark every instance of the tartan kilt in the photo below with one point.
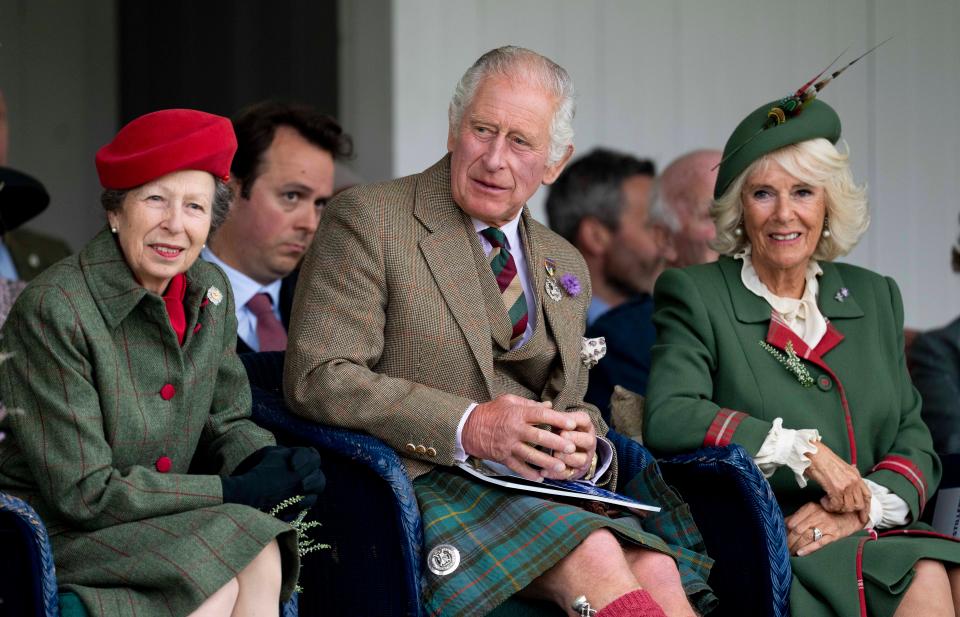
(507, 538)
(825, 582)
(168, 565)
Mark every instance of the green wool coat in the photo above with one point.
(103, 392)
(712, 383)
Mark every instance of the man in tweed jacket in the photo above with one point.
(401, 328)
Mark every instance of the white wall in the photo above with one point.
(659, 78)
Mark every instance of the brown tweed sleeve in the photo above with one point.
(336, 371)
(59, 426)
(229, 436)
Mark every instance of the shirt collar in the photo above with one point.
(243, 286)
(511, 230)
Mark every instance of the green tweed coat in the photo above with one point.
(712, 383)
(104, 391)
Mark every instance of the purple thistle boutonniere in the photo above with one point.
(571, 284)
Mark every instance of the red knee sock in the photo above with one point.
(638, 603)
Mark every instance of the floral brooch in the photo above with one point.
(214, 295)
(842, 294)
(567, 283)
(791, 362)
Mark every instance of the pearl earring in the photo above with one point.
(113, 229)
(826, 228)
(738, 231)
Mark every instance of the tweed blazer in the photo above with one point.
(712, 382)
(390, 332)
(103, 390)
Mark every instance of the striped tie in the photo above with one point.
(505, 271)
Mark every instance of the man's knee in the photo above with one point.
(652, 567)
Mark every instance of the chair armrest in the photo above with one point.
(270, 412)
(30, 562)
(742, 527)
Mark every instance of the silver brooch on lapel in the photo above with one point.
(552, 287)
(443, 559)
(842, 295)
(592, 350)
(214, 295)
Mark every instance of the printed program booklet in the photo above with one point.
(500, 475)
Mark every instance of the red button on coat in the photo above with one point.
(163, 464)
(167, 392)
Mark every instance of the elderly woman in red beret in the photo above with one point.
(133, 439)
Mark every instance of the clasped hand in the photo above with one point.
(801, 539)
(511, 430)
(845, 490)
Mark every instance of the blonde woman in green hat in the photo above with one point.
(800, 360)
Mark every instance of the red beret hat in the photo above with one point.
(165, 141)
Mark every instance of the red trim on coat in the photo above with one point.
(860, 591)
(779, 334)
(909, 470)
(724, 425)
(918, 532)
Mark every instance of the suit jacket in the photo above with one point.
(287, 289)
(390, 331)
(713, 383)
(629, 332)
(104, 391)
(935, 361)
(34, 252)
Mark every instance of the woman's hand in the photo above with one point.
(845, 490)
(801, 525)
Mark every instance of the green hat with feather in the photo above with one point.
(757, 136)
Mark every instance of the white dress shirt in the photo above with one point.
(245, 288)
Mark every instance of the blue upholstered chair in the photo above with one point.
(372, 519)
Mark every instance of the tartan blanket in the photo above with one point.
(505, 539)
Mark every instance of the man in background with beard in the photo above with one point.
(602, 205)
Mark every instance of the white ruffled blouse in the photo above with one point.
(784, 446)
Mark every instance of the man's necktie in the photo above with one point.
(505, 271)
(270, 332)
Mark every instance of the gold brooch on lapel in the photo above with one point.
(214, 295)
(791, 362)
(592, 350)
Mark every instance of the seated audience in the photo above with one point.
(686, 188)
(436, 314)
(283, 175)
(133, 407)
(800, 360)
(684, 193)
(601, 205)
(935, 368)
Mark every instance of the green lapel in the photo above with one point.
(116, 292)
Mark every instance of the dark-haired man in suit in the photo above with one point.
(283, 175)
